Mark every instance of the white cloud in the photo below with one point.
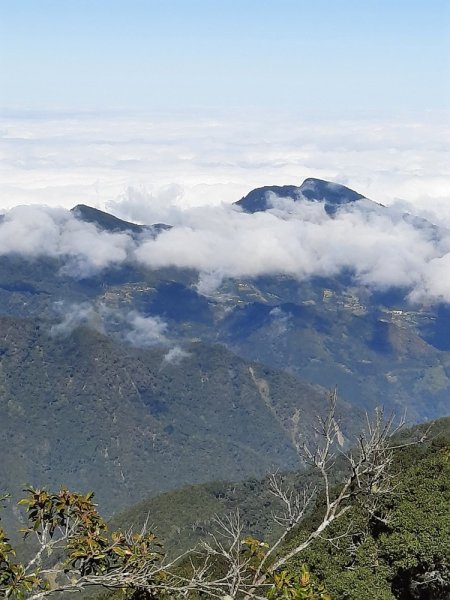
(280, 320)
(74, 316)
(140, 206)
(136, 329)
(34, 231)
(379, 245)
(223, 242)
(175, 355)
(145, 331)
(192, 161)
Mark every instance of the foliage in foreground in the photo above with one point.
(74, 536)
(407, 557)
(68, 529)
(402, 550)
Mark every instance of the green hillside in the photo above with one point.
(91, 412)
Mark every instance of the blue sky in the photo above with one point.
(323, 57)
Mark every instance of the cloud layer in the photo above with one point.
(34, 232)
(300, 239)
(187, 170)
(132, 163)
(380, 245)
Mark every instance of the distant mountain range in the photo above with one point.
(233, 382)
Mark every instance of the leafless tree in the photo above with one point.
(369, 478)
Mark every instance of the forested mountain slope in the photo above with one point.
(91, 412)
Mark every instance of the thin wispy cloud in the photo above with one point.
(70, 317)
(175, 356)
(138, 330)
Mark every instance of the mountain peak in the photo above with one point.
(315, 190)
(330, 192)
(104, 220)
(108, 222)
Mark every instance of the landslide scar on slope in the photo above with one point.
(262, 385)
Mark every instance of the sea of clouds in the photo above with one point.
(134, 161)
(187, 172)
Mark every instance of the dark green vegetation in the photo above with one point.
(401, 552)
(91, 413)
(184, 517)
(75, 551)
(67, 527)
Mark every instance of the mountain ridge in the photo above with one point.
(112, 224)
(315, 190)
